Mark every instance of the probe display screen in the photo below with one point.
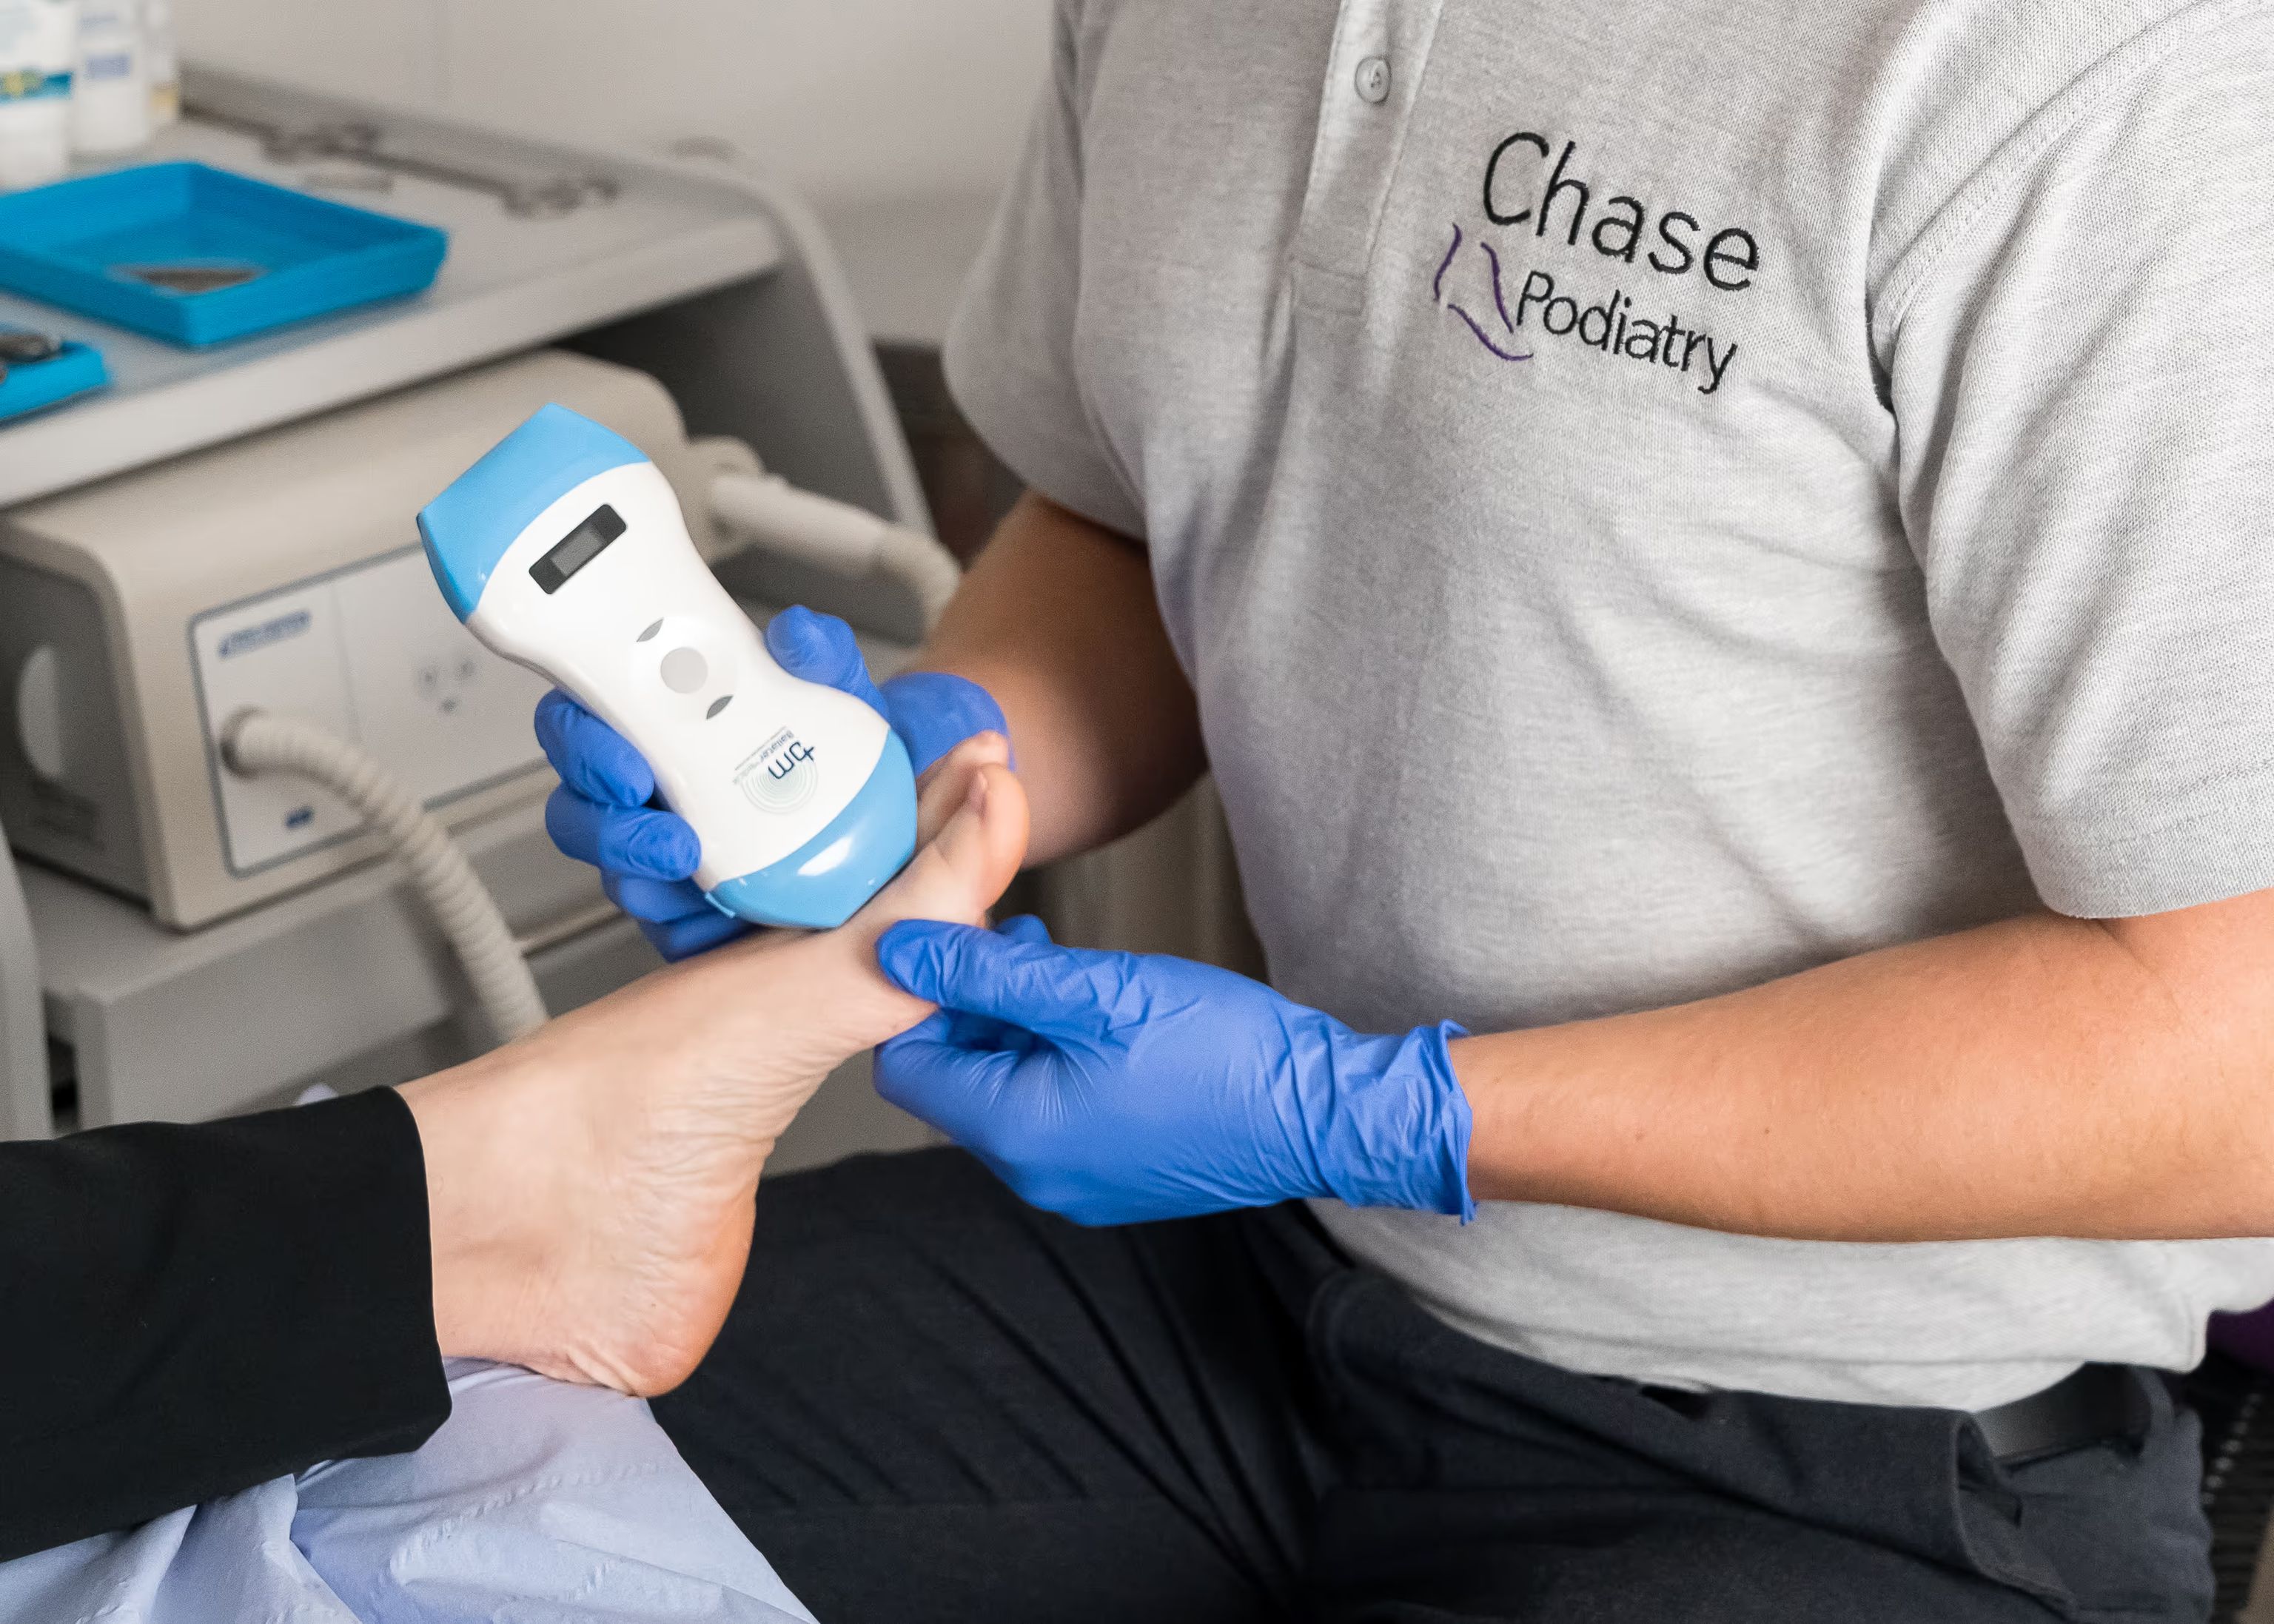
(577, 549)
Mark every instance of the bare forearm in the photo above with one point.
(1058, 622)
(2043, 1076)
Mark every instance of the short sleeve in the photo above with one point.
(2080, 357)
(1009, 350)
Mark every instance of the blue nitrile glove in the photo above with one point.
(1119, 1087)
(605, 812)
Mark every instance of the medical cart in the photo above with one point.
(119, 1004)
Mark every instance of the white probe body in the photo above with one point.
(565, 550)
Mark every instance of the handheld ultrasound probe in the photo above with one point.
(564, 550)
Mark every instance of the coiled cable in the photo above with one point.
(260, 742)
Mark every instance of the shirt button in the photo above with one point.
(1373, 80)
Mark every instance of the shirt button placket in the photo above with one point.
(1380, 49)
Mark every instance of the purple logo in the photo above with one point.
(1484, 335)
(1613, 325)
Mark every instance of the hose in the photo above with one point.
(259, 741)
(845, 540)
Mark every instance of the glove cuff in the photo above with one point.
(1400, 1136)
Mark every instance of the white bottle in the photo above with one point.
(110, 90)
(163, 64)
(39, 42)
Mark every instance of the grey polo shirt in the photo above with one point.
(1654, 495)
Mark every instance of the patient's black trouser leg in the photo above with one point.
(932, 1405)
(932, 1402)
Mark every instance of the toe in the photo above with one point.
(946, 785)
(979, 844)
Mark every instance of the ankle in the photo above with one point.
(495, 1207)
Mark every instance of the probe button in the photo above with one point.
(685, 670)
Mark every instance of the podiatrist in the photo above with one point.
(1719, 556)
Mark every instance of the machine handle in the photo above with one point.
(768, 512)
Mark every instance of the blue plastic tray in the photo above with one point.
(40, 384)
(79, 243)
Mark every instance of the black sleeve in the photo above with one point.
(186, 1311)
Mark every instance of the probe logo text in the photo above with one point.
(780, 775)
(788, 762)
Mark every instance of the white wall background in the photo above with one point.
(898, 118)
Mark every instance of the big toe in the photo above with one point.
(976, 855)
(947, 784)
(821, 998)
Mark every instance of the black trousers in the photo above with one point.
(933, 1403)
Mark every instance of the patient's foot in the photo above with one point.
(608, 1162)
(820, 998)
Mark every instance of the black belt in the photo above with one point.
(2099, 1403)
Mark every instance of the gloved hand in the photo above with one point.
(605, 812)
(1119, 1088)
